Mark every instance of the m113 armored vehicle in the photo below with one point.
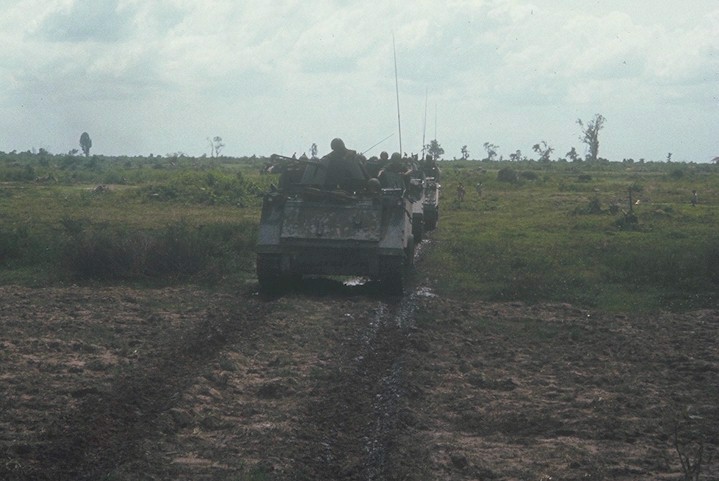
(329, 217)
(430, 199)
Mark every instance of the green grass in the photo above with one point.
(536, 241)
(189, 223)
(555, 234)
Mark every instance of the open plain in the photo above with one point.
(176, 383)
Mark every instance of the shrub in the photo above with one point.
(18, 174)
(102, 252)
(676, 174)
(211, 188)
(507, 174)
(11, 244)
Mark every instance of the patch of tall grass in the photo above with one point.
(543, 240)
(208, 253)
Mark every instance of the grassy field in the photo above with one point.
(560, 232)
(565, 233)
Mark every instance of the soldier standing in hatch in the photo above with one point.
(393, 175)
(429, 166)
(344, 169)
(375, 166)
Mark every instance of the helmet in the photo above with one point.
(337, 145)
(373, 185)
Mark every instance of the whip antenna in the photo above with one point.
(396, 86)
(424, 129)
(375, 145)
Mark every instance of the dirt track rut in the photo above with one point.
(182, 384)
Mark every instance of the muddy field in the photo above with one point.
(182, 384)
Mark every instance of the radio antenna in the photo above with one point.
(396, 86)
(424, 129)
(375, 145)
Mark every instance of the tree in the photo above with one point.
(590, 135)
(85, 143)
(491, 150)
(465, 152)
(516, 157)
(434, 149)
(572, 154)
(216, 146)
(543, 150)
(313, 151)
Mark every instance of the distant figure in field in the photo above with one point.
(695, 197)
(460, 192)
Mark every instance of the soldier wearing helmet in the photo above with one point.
(344, 168)
(393, 174)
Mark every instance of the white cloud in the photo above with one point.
(292, 72)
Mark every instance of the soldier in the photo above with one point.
(429, 167)
(460, 192)
(374, 165)
(344, 168)
(393, 175)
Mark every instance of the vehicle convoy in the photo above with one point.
(418, 184)
(329, 217)
(430, 197)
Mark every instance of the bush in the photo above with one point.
(11, 244)
(507, 174)
(209, 253)
(18, 174)
(210, 188)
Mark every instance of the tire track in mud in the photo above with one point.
(350, 432)
(107, 429)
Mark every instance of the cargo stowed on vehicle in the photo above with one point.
(328, 217)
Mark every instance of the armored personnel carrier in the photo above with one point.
(418, 189)
(430, 204)
(328, 217)
(430, 198)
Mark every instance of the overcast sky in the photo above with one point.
(270, 76)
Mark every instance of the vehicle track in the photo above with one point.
(353, 421)
(108, 427)
(346, 429)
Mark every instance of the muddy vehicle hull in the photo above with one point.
(313, 232)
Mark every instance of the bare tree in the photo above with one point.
(572, 154)
(465, 152)
(491, 150)
(216, 146)
(590, 135)
(544, 151)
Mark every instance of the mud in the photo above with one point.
(333, 381)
